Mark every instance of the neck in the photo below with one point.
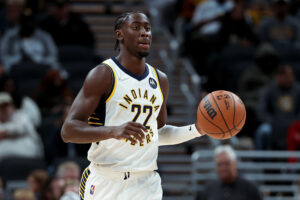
(134, 64)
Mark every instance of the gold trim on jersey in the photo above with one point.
(95, 118)
(115, 84)
(158, 83)
(95, 123)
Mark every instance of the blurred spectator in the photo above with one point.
(257, 76)
(230, 185)
(2, 73)
(12, 12)
(188, 9)
(278, 106)
(258, 10)
(37, 181)
(1, 189)
(201, 39)
(25, 104)
(293, 139)
(53, 93)
(56, 189)
(17, 134)
(65, 26)
(53, 137)
(28, 43)
(282, 28)
(237, 28)
(23, 194)
(253, 79)
(206, 18)
(71, 190)
(67, 172)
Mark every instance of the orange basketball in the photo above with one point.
(221, 114)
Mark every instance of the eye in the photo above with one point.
(136, 27)
(148, 28)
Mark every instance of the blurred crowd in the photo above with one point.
(38, 41)
(64, 184)
(250, 47)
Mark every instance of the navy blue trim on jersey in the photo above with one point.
(139, 78)
(98, 117)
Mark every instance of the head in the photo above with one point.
(60, 10)
(14, 9)
(7, 107)
(68, 170)
(238, 11)
(284, 76)
(133, 34)
(280, 8)
(226, 163)
(267, 59)
(37, 180)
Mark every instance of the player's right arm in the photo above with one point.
(76, 129)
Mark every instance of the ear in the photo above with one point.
(119, 35)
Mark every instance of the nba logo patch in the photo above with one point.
(92, 190)
(152, 83)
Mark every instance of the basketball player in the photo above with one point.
(121, 110)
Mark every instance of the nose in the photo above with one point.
(145, 33)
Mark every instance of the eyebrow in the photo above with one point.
(138, 22)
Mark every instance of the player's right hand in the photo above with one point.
(131, 131)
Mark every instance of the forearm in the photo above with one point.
(169, 135)
(76, 131)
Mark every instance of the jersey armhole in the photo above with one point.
(114, 83)
(158, 80)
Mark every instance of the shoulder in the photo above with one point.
(242, 182)
(11, 32)
(161, 75)
(100, 71)
(164, 82)
(43, 34)
(100, 76)
(211, 185)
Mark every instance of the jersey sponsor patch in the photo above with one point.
(152, 83)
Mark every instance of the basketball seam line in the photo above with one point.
(233, 111)
(221, 114)
(212, 123)
(232, 128)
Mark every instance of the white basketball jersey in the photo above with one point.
(133, 98)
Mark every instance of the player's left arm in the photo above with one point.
(167, 134)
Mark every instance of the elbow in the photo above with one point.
(65, 134)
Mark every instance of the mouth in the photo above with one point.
(144, 45)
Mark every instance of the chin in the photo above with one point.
(143, 54)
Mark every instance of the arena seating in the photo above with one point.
(276, 177)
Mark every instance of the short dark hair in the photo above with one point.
(119, 22)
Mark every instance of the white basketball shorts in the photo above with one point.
(98, 183)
